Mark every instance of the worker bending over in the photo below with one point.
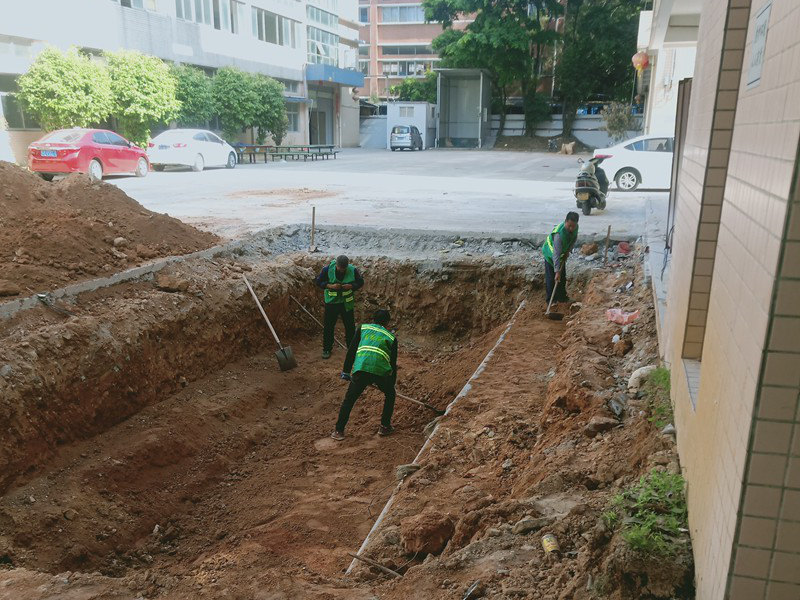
(372, 358)
(340, 280)
(556, 249)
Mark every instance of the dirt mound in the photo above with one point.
(52, 234)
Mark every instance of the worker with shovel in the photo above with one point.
(373, 361)
(556, 249)
(340, 280)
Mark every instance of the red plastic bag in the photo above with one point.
(620, 316)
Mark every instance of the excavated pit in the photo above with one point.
(152, 432)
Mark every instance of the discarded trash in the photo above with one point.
(550, 544)
(669, 430)
(618, 315)
(474, 591)
(623, 248)
(638, 376)
(615, 339)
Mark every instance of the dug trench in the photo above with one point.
(154, 449)
(150, 438)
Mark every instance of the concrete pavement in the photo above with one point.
(479, 192)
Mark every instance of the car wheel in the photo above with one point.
(142, 168)
(231, 160)
(158, 168)
(628, 180)
(199, 163)
(95, 170)
(46, 176)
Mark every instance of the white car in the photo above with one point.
(645, 160)
(195, 148)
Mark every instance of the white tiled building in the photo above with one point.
(309, 45)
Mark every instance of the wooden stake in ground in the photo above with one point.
(608, 238)
(377, 565)
(312, 247)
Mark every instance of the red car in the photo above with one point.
(97, 152)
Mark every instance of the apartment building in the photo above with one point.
(395, 43)
(309, 45)
(731, 323)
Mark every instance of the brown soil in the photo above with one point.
(290, 194)
(52, 234)
(155, 450)
(525, 143)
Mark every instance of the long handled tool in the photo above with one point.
(555, 316)
(399, 395)
(284, 354)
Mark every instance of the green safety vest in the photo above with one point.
(374, 351)
(567, 239)
(341, 296)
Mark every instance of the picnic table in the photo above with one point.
(293, 152)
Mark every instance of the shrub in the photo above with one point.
(235, 100)
(66, 89)
(144, 91)
(619, 120)
(270, 114)
(656, 390)
(193, 91)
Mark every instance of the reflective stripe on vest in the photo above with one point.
(374, 348)
(345, 297)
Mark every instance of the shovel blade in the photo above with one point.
(554, 316)
(285, 358)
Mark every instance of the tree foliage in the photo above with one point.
(193, 90)
(619, 119)
(66, 89)
(270, 112)
(235, 100)
(599, 40)
(144, 90)
(509, 38)
(413, 89)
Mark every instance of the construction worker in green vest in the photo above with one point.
(372, 361)
(340, 280)
(556, 249)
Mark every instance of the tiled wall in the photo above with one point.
(745, 210)
(766, 562)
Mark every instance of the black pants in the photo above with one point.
(360, 382)
(550, 281)
(332, 312)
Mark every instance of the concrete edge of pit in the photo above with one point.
(464, 391)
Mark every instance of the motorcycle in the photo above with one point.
(591, 186)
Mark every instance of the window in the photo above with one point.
(293, 114)
(363, 14)
(148, 4)
(323, 47)
(200, 137)
(202, 11)
(213, 138)
(329, 5)
(363, 66)
(116, 140)
(402, 129)
(183, 9)
(402, 14)
(317, 15)
(238, 16)
(635, 146)
(292, 87)
(222, 15)
(65, 136)
(274, 29)
(658, 145)
(406, 68)
(407, 112)
(99, 137)
(411, 50)
(363, 50)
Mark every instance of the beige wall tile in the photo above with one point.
(791, 505)
(793, 474)
(785, 335)
(762, 501)
(796, 441)
(767, 469)
(756, 532)
(791, 260)
(782, 369)
(783, 591)
(752, 562)
(746, 589)
(779, 404)
(772, 437)
(786, 567)
(788, 536)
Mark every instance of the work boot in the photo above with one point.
(383, 431)
(326, 354)
(337, 435)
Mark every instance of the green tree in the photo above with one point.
(619, 119)
(66, 89)
(280, 128)
(271, 107)
(509, 38)
(413, 89)
(599, 40)
(194, 93)
(235, 100)
(144, 91)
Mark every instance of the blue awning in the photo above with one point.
(297, 99)
(331, 74)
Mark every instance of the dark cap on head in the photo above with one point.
(342, 261)
(572, 216)
(381, 316)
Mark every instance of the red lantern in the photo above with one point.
(640, 61)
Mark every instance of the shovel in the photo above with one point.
(284, 355)
(555, 316)
(438, 411)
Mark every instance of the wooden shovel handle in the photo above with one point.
(263, 314)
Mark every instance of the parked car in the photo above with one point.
(644, 160)
(97, 152)
(195, 148)
(405, 136)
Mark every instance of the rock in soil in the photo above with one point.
(170, 283)
(403, 471)
(7, 288)
(588, 249)
(598, 425)
(427, 533)
(622, 347)
(638, 377)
